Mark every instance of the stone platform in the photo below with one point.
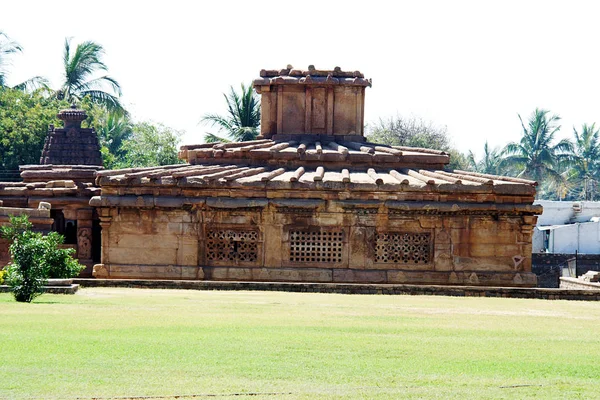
(427, 290)
(575, 283)
(68, 289)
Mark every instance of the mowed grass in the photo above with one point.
(108, 342)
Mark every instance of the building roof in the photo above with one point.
(314, 150)
(320, 177)
(311, 76)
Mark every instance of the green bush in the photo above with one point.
(26, 273)
(35, 257)
(59, 262)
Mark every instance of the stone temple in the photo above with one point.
(312, 201)
(64, 179)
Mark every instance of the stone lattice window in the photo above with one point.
(231, 245)
(316, 246)
(407, 248)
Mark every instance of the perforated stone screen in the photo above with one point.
(324, 246)
(231, 245)
(407, 248)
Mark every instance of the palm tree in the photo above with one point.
(113, 129)
(8, 47)
(79, 67)
(242, 120)
(490, 163)
(586, 157)
(534, 156)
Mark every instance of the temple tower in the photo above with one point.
(312, 104)
(72, 144)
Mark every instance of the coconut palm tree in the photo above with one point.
(534, 156)
(490, 163)
(8, 47)
(80, 67)
(242, 121)
(585, 168)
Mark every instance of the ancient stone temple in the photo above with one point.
(65, 179)
(311, 200)
(72, 144)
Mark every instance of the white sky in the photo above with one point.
(470, 65)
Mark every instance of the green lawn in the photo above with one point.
(107, 342)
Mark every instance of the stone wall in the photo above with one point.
(147, 243)
(316, 241)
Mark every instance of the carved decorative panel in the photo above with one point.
(324, 246)
(403, 248)
(231, 245)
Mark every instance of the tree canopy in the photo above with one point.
(242, 121)
(415, 132)
(81, 65)
(149, 145)
(24, 120)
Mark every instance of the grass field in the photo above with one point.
(109, 342)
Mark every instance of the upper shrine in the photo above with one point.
(71, 153)
(71, 144)
(303, 103)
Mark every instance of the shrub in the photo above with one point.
(35, 258)
(59, 263)
(17, 226)
(3, 273)
(26, 273)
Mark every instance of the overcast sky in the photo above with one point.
(469, 65)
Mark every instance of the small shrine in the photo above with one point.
(312, 201)
(64, 179)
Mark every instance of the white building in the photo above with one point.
(568, 227)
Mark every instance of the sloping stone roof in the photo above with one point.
(304, 150)
(321, 177)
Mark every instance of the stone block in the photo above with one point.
(192, 272)
(359, 276)
(292, 275)
(360, 251)
(148, 256)
(507, 250)
(459, 236)
(430, 223)
(443, 261)
(482, 250)
(418, 277)
(142, 271)
(455, 222)
(394, 276)
(140, 241)
(483, 225)
(442, 236)
(84, 214)
(404, 225)
(228, 274)
(442, 247)
(188, 251)
(480, 236)
(486, 264)
(100, 271)
(273, 245)
(461, 250)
